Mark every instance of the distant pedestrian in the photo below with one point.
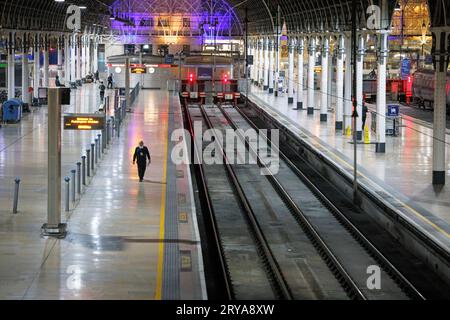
(110, 81)
(364, 114)
(102, 89)
(141, 154)
(57, 82)
(97, 77)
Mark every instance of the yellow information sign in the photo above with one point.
(84, 122)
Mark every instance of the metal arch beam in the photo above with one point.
(439, 13)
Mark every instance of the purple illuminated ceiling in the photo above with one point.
(206, 18)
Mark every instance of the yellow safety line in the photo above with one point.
(159, 275)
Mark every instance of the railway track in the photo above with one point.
(301, 245)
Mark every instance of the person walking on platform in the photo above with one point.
(141, 154)
(110, 81)
(96, 76)
(102, 90)
(364, 114)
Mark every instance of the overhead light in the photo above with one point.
(60, 0)
(112, 17)
(82, 7)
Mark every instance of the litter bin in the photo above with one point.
(12, 110)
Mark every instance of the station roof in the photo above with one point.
(296, 15)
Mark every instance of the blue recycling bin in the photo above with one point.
(12, 110)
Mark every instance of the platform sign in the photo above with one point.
(393, 110)
(169, 59)
(86, 121)
(406, 68)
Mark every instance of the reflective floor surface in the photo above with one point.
(115, 246)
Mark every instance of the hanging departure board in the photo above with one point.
(84, 121)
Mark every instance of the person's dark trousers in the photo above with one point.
(110, 85)
(102, 96)
(141, 170)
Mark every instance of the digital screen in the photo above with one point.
(204, 73)
(138, 70)
(84, 122)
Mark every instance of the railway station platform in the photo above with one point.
(125, 239)
(401, 177)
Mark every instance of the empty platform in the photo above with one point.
(125, 240)
(401, 176)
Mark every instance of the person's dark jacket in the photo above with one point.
(141, 154)
(364, 110)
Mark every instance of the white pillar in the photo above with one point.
(95, 54)
(324, 79)
(37, 67)
(271, 65)
(266, 64)
(45, 68)
(261, 63)
(25, 72)
(83, 57)
(311, 63)
(340, 84)
(60, 57)
(348, 84)
(359, 85)
(88, 56)
(256, 61)
(381, 93)
(249, 53)
(291, 72)
(73, 58)
(300, 51)
(11, 67)
(439, 114)
(277, 63)
(79, 59)
(67, 61)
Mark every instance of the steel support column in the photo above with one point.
(11, 66)
(60, 57)
(271, 65)
(348, 84)
(37, 68)
(266, 64)
(67, 49)
(381, 93)
(261, 63)
(25, 70)
(300, 51)
(359, 85)
(45, 68)
(311, 64)
(441, 59)
(324, 79)
(340, 83)
(291, 72)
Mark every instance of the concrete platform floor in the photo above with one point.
(403, 172)
(116, 245)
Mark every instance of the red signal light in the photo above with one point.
(191, 77)
(225, 78)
